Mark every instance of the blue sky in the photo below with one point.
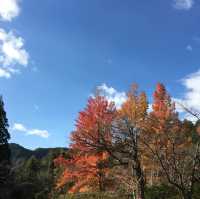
(54, 53)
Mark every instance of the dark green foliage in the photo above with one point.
(4, 147)
(4, 153)
(22, 190)
(4, 134)
(36, 167)
(197, 191)
(32, 168)
(41, 195)
(161, 192)
(20, 154)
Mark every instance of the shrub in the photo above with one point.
(161, 192)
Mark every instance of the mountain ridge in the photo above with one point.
(20, 154)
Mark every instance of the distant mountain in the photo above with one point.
(35, 167)
(20, 154)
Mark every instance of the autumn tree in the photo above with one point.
(127, 132)
(170, 145)
(120, 137)
(83, 173)
(162, 119)
(88, 164)
(124, 147)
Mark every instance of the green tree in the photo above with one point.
(4, 147)
(32, 169)
(4, 134)
(51, 175)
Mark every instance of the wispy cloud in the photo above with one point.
(183, 4)
(191, 96)
(37, 132)
(9, 9)
(112, 94)
(12, 54)
(4, 73)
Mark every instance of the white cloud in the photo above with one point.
(12, 54)
(21, 128)
(41, 133)
(189, 48)
(112, 95)
(4, 73)
(9, 9)
(191, 96)
(183, 4)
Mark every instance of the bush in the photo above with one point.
(41, 195)
(161, 192)
(196, 191)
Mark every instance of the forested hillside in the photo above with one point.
(34, 169)
(20, 155)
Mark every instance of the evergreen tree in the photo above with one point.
(4, 134)
(32, 170)
(52, 174)
(5, 174)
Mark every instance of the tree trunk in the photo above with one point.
(140, 183)
(101, 181)
(140, 189)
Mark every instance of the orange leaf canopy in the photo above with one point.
(86, 169)
(83, 171)
(93, 125)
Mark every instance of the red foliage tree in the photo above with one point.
(84, 171)
(162, 106)
(164, 117)
(87, 168)
(172, 152)
(93, 125)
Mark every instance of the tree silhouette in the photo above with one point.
(4, 147)
(4, 134)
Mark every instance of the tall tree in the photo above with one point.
(4, 134)
(162, 119)
(127, 134)
(93, 126)
(117, 133)
(169, 142)
(124, 145)
(4, 147)
(32, 169)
